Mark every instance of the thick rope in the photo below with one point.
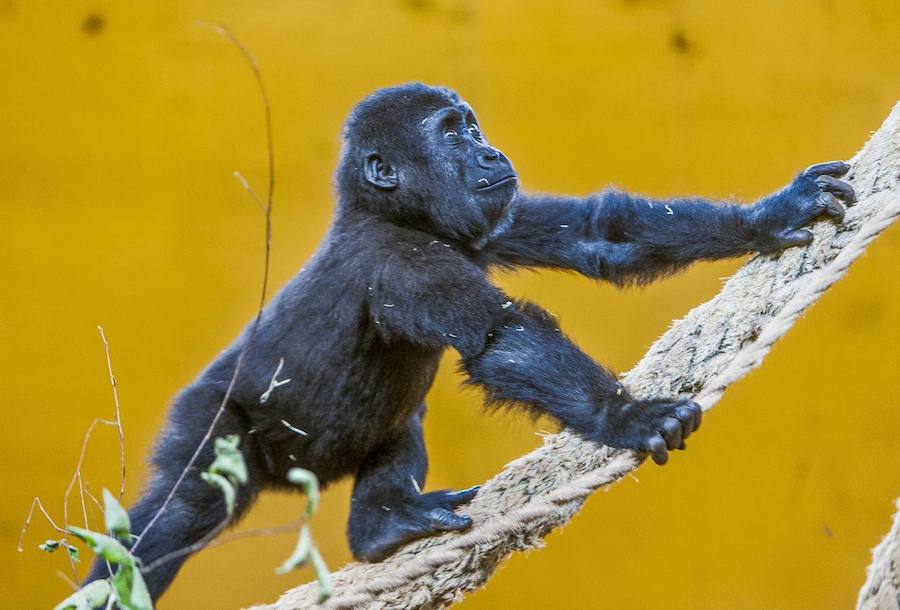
(882, 588)
(713, 346)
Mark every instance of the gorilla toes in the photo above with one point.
(446, 498)
(439, 508)
(445, 520)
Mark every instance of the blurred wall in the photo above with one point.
(121, 124)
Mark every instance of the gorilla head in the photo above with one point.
(415, 155)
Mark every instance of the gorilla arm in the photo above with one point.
(517, 354)
(629, 239)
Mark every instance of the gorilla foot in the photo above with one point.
(378, 531)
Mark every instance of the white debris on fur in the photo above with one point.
(699, 356)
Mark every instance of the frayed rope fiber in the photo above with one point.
(702, 354)
(882, 588)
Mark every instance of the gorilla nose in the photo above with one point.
(487, 159)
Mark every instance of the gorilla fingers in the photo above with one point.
(425, 207)
(528, 361)
(629, 239)
(779, 218)
(655, 426)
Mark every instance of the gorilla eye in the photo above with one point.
(451, 133)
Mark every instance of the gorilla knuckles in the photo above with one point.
(425, 208)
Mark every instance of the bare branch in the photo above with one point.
(207, 541)
(121, 431)
(265, 283)
(64, 577)
(36, 503)
(77, 476)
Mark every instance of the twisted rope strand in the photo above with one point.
(700, 355)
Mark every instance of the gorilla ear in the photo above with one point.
(380, 173)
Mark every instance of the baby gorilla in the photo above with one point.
(425, 208)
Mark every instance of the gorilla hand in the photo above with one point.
(655, 426)
(779, 218)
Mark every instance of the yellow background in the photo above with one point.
(120, 126)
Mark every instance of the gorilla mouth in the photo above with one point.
(485, 185)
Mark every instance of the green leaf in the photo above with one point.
(49, 546)
(228, 491)
(93, 595)
(300, 556)
(72, 551)
(322, 574)
(108, 548)
(228, 469)
(229, 460)
(127, 583)
(310, 484)
(304, 552)
(116, 518)
(131, 590)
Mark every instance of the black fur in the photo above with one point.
(425, 207)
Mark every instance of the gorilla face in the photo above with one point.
(416, 155)
(465, 165)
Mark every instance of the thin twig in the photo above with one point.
(21, 546)
(84, 515)
(121, 431)
(76, 475)
(265, 282)
(189, 549)
(92, 497)
(207, 541)
(86, 491)
(65, 578)
(36, 503)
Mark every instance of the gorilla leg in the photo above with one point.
(388, 510)
(197, 508)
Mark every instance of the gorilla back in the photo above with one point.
(425, 207)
